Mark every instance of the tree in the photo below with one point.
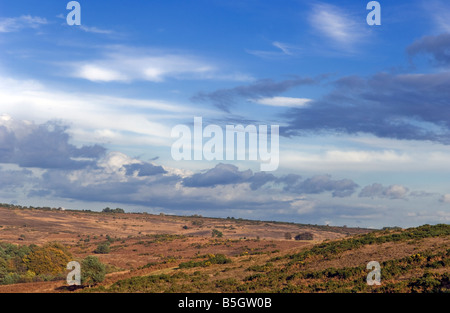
(287, 236)
(92, 271)
(116, 210)
(102, 248)
(304, 236)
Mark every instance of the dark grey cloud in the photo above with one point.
(45, 146)
(260, 179)
(221, 174)
(224, 98)
(144, 169)
(7, 144)
(379, 191)
(108, 190)
(411, 107)
(288, 180)
(39, 193)
(100, 184)
(11, 179)
(227, 174)
(438, 47)
(323, 183)
(156, 191)
(421, 194)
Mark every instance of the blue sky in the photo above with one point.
(86, 111)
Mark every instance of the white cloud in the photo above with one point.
(445, 198)
(14, 24)
(283, 101)
(396, 192)
(95, 30)
(324, 158)
(285, 50)
(117, 120)
(356, 156)
(283, 47)
(128, 64)
(365, 154)
(336, 24)
(440, 15)
(96, 73)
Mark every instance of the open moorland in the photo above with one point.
(165, 253)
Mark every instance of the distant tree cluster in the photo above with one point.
(117, 210)
(304, 236)
(301, 236)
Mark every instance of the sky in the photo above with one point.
(87, 111)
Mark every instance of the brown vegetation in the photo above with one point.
(144, 252)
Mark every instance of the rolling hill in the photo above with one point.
(165, 253)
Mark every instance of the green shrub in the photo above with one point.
(92, 271)
(103, 248)
(216, 233)
(212, 259)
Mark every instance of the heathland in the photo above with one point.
(140, 252)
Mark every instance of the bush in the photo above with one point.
(92, 271)
(304, 236)
(103, 248)
(212, 259)
(50, 259)
(216, 233)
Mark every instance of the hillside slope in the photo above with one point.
(412, 260)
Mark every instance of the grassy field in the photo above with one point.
(162, 253)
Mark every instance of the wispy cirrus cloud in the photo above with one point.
(95, 30)
(155, 67)
(283, 50)
(127, 64)
(439, 12)
(14, 24)
(336, 25)
(283, 101)
(105, 118)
